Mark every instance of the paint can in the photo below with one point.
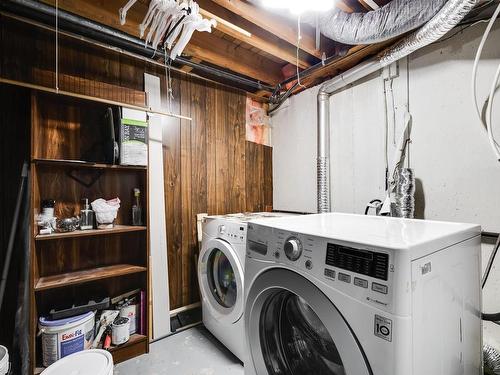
(4, 360)
(120, 331)
(131, 312)
(88, 362)
(63, 337)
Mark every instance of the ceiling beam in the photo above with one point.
(274, 24)
(203, 46)
(228, 55)
(258, 38)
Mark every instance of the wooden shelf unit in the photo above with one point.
(66, 267)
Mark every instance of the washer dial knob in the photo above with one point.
(293, 248)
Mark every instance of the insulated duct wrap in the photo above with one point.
(491, 360)
(450, 15)
(393, 19)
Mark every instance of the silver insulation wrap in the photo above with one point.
(491, 360)
(405, 194)
(389, 21)
(446, 19)
(450, 15)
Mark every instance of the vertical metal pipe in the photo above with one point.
(323, 158)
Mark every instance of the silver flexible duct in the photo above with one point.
(445, 20)
(393, 19)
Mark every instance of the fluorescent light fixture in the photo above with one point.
(300, 6)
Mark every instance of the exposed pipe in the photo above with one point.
(445, 20)
(101, 33)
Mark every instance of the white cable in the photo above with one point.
(476, 62)
(489, 114)
(299, 37)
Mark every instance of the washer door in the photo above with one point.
(294, 329)
(221, 280)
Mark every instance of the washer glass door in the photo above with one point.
(294, 340)
(220, 275)
(293, 328)
(221, 278)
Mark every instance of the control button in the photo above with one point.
(330, 273)
(293, 248)
(362, 283)
(277, 255)
(309, 264)
(345, 278)
(379, 288)
(222, 228)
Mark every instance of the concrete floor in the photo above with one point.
(191, 352)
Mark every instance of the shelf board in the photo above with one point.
(85, 276)
(137, 345)
(91, 233)
(86, 164)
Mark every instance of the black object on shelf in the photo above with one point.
(80, 309)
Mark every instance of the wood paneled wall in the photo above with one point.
(209, 166)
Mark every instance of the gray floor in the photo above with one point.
(191, 352)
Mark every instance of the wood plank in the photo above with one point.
(221, 153)
(230, 56)
(273, 23)
(75, 164)
(258, 37)
(91, 233)
(186, 185)
(211, 117)
(199, 177)
(80, 277)
(173, 202)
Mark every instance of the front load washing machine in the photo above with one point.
(221, 275)
(345, 294)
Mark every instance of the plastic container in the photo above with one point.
(4, 360)
(89, 362)
(120, 331)
(63, 337)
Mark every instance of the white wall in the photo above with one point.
(458, 177)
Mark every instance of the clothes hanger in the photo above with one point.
(123, 11)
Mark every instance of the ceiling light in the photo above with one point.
(300, 6)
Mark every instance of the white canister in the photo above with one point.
(4, 360)
(131, 312)
(120, 331)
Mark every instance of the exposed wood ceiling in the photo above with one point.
(265, 51)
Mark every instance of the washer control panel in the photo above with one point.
(359, 271)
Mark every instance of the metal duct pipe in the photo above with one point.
(446, 19)
(101, 33)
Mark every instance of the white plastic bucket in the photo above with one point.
(61, 338)
(4, 360)
(88, 362)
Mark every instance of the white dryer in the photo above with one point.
(221, 275)
(344, 294)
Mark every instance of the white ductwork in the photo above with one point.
(393, 19)
(442, 22)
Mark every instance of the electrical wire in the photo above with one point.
(493, 144)
(489, 114)
(299, 37)
(57, 46)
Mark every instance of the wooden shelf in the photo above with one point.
(135, 346)
(91, 233)
(86, 164)
(85, 276)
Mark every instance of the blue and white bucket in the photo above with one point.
(63, 337)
